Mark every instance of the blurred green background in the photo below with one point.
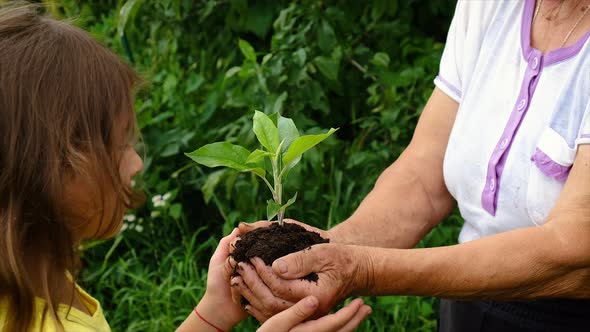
(364, 66)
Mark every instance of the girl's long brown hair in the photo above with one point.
(64, 101)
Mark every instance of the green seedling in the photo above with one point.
(280, 143)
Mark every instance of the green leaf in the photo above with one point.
(300, 57)
(380, 59)
(326, 36)
(272, 209)
(256, 156)
(278, 104)
(212, 181)
(248, 70)
(175, 210)
(169, 86)
(328, 67)
(266, 58)
(287, 132)
(266, 132)
(195, 81)
(222, 154)
(127, 12)
(232, 71)
(258, 171)
(247, 50)
(170, 150)
(302, 144)
(289, 202)
(379, 8)
(258, 17)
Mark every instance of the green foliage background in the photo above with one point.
(364, 66)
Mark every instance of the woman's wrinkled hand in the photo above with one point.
(342, 270)
(278, 304)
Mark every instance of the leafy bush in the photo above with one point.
(364, 66)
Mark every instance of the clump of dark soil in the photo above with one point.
(275, 241)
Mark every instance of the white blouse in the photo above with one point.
(521, 118)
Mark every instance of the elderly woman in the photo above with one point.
(506, 137)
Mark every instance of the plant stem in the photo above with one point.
(278, 192)
(281, 211)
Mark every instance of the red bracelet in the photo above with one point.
(206, 321)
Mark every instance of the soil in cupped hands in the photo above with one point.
(275, 241)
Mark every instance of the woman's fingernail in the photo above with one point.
(282, 266)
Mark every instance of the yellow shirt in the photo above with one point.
(74, 321)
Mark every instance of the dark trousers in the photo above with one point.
(491, 316)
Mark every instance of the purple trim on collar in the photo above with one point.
(449, 85)
(549, 167)
(525, 28)
(565, 53)
(585, 136)
(554, 56)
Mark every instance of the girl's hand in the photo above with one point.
(346, 319)
(217, 306)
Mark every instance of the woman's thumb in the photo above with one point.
(294, 266)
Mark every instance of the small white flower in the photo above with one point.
(125, 226)
(129, 217)
(157, 198)
(155, 214)
(139, 228)
(132, 183)
(160, 200)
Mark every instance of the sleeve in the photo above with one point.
(584, 132)
(449, 78)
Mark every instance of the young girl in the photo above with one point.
(66, 163)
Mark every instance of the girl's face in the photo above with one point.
(131, 165)
(92, 215)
